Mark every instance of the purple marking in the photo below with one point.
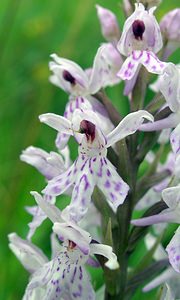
(134, 56)
(65, 114)
(108, 173)
(117, 187)
(130, 66)
(77, 103)
(81, 274)
(67, 182)
(82, 100)
(70, 107)
(107, 184)
(74, 274)
(148, 59)
(113, 197)
(101, 168)
(82, 168)
(56, 189)
(90, 166)
(94, 159)
(177, 257)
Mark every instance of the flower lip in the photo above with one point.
(138, 28)
(68, 77)
(88, 129)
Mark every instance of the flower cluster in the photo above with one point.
(103, 183)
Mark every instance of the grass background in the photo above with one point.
(30, 31)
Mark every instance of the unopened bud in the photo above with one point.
(109, 24)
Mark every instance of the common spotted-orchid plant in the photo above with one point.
(126, 175)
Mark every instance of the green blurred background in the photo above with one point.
(30, 31)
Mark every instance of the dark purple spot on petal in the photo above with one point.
(68, 77)
(138, 29)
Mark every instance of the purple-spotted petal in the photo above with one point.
(175, 140)
(170, 86)
(106, 64)
(173, 249)
(129, 125)
(61, 183)
(64, 278)
(111, 184)
(31, 257)
(59, 123)
(147, 58)
(83, 189)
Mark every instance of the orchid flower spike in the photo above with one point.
(50, 165)
(109, 24)
(92, 166)
(171, 197)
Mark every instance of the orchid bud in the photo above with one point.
(141, 32)
(109, 24)
(170, 29)
(170, 25)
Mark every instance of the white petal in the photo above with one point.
(175, 140)
(83, 189)
(160, 252)
(31, 257)
(171, 197)
(71, 232)
(162, 278)
(61, 183)
(107, 252)
(59, 123)
(173, 249)
(58, 66)
(111, 184)
(56, 247)
(51, 211)
(170, 86)
(150, 198)
(129, 125)
(106, 64)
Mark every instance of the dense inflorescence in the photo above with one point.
(105, 185)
